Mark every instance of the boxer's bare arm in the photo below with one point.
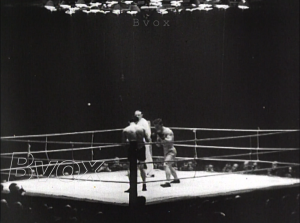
(124, 137)
(147, 138)
(169, 136)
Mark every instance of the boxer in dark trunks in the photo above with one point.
(137, 133)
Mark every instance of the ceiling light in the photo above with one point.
(50, 6)
(243, 4)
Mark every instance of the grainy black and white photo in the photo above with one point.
(150, 111)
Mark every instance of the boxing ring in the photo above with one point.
(113, 193)
(43, 174)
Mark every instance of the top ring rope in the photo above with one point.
(236, 130)
(193, 140)
(174, 128)
(61, 150)
(179, 141)
(59, 142)
(229, 137)
(60, 134)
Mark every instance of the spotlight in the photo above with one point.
(222, 4)
(176, 3)
(50, 6)
(162, 11)
(64, 5)
(71, 11)
(94, 10)
(104, 12)
(86, 11)
(134, 9)
(81, 4)
(95, 3)
(243, 4)
(111, 3)
(116, 9)
(157, 3)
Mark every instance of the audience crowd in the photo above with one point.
(274, 205)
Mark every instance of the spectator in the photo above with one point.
(116, 166)
(206, 167)
(104, 168)
(247, 166)
(67, 216)
(190, 166)
(16, 189)
(17, 212)
(50, 214)
(99, 217)
(125, 166)
(234, 167)
(184, 167)
(290, 172)
(273, 171)
(4, 211)
(210, 168)
(227, 168)
(16, 193)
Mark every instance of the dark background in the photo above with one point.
(216, 69)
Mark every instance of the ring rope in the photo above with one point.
(174, 128)
(213, 159)
(60, 134)
(182, 158)
(65, 162)
(245, 154)
(150, 143)
(113, 159)
(58, 142)
(183, 178)
(236, 130)
(180, 145)
(56, 159)
(222, 173)
(62, 150)
(232, 147)
(66, 178)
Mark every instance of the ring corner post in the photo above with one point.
(133, 179)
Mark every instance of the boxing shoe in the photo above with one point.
(176, 181)
(127, 191)
(150, 175)
(166, 185)
(144, 187)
